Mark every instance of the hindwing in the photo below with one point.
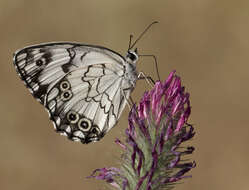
(82, 86)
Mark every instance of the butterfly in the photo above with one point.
(84, 87)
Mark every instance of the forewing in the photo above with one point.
(80, 85)
(42, 66)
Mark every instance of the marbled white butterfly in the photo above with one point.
(84, 87)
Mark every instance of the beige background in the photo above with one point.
(206, 41)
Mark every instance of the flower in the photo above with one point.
(152, 155)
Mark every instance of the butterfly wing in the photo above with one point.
(83, 87)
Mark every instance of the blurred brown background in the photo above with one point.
(206, 41)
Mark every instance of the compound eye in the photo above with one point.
(132, 56)
(72, 117)
(65, 85)
(84, 124)
(66, 95)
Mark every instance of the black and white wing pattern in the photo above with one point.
(83, 87)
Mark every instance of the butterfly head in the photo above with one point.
(132, 56)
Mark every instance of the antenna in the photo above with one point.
(131, 36)
(141, 35)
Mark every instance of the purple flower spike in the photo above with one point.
(151, 158)
(180, 123)
(144, 106)
(122, 145)
(109, 174)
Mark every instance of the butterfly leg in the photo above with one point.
(156, 64)
(149, 80)
(129, 101)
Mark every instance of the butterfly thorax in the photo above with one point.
(130, 73)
